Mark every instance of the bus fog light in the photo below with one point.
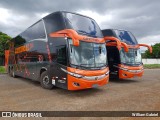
(76, 84)
(124, 74)
(77, 75)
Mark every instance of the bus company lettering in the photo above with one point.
(24, 48)
(90, 39)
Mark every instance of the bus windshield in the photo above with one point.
(88, 55)
(126, 36)
(132, 57)
(83, 25)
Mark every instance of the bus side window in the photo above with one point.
(61, 55)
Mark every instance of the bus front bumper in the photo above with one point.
(81, 83)
(123, 74)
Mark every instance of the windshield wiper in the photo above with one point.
(78, 65)
(102, 64)
(82, 65)
(99, 67)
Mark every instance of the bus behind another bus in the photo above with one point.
(124, 55)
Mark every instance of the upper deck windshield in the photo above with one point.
(83, 25)
(88, 55)
(132, 57)
(126, 36)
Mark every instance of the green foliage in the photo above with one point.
(151, 66)
(155, 53)
(19, 41)
(2, 69)
(4, 40)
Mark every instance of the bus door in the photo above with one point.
(59, 66)
(113, 59)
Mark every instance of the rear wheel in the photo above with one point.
(45, 81)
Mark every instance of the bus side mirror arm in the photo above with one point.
(126, 49)
(149, 47)
(119, 43)
(68, 33)
(114, 39)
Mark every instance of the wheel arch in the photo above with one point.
(43, 69)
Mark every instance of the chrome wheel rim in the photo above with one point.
(46, 80)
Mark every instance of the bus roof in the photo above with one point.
(47, 16)
(113, 29)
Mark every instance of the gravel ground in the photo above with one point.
(138, 94)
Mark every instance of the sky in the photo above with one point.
(141, 17)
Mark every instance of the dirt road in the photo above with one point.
(138, 94)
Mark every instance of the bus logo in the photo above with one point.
(6, 114)
(96, 78)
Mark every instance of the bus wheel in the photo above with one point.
(45, 81)
(10, 72)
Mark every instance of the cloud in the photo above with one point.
(141, 17)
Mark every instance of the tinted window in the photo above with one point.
(37, 31)
(29, 57)
(126, 37)
(107, 33)
(83, 25)
(61, 55)
(34, 32)
(58, 50)
(54, 22)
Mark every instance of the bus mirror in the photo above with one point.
(68, 33)
(114, 39)
(76, 42)
(71, 46)
(136, 52)
(149, 47)
(125, 46)
(100, 49)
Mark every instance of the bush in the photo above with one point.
(151, 66)
(2, 69)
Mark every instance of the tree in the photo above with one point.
(155, 53)
(4, 42)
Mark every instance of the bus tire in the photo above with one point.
(9, 72)
(45, 81)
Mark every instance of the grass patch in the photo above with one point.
(2, 69)
(151, 66)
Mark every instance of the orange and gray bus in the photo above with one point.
(63, 49)
(124, 55)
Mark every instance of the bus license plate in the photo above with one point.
(94, 85)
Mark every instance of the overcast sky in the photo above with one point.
(141, 17)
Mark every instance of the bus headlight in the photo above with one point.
(71, 73)
(85, 77)
(135, 71)
(124, 69)
(77, 75)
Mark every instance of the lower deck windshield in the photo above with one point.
(88, 55)
(132, 57)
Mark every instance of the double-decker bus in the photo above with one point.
(124, 55)
(63, 49)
